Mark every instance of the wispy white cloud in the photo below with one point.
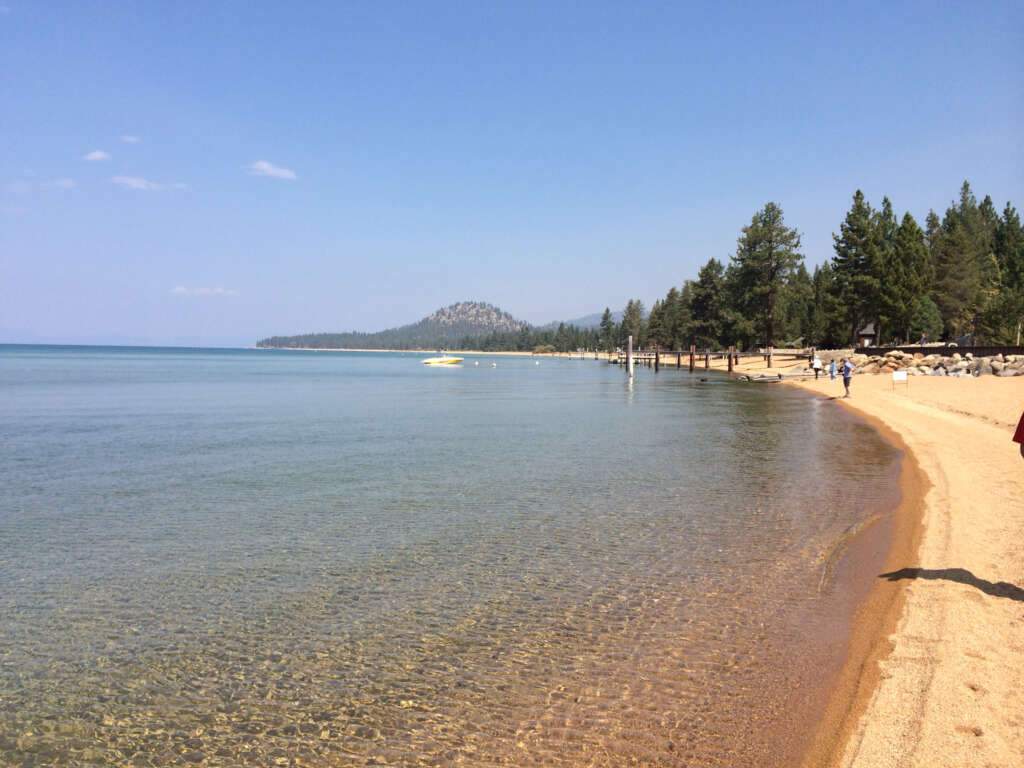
(23, 187)
(265, 168)
(96, 155)
(144, 185)
(137, 182)
(130, 139)
(203, 292)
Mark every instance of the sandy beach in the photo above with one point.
(936, 665)
(942, 685)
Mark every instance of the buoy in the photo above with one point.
(476, 362)
(537, 363)
(494, 365)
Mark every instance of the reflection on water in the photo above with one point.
(307, 559)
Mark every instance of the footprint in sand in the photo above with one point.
(972, 729)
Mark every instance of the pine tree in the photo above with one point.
(890, 299)
(957, 285)
(857, 265)
(766, 254)
(683, 320)
(633, 323)
(707, 304)
(1003, 318)
(608, 330)
(738, 328)
(1009, 248)
(673, 338)
(907, 276)
(655, 325)
(828, 320)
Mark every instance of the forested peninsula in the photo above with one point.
(960, 278)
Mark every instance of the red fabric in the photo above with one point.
(1018, 436)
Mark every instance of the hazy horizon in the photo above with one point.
(213, 178)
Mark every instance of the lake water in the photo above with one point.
(246, 557)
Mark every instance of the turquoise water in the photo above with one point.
(226, 557)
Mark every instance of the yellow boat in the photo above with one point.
(443, 360)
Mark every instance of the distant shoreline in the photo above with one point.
(432, 351)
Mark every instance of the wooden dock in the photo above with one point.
(655, 358)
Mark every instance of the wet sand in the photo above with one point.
(936, 664)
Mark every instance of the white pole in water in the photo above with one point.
(629, 356)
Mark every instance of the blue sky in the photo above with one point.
(270, 168)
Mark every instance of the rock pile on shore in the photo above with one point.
(919, 364)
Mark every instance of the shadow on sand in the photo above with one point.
(960, 576)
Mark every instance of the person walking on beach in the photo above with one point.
(847, 373)
(832, 369)
(816, 365)
(1018, 436)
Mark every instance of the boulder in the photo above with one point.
(1008, 372)
(996, 365)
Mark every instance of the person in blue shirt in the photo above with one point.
(832, 370)
(847, 373)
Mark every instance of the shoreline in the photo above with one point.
(935, 661)
(423, 352)
(877, 616)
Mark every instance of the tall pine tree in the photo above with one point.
(608, 331)
(707, 305)
(767, 252)
(857, 265)
(907, 276)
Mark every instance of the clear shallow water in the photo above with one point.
(259, 557)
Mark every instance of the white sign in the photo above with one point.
(899, 376)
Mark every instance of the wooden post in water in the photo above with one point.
(770, 356)
(693, 352)
(629, 356)
(679, 358)
(730, 358)
(657, 358)
(707, 358)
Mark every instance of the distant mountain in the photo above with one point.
(586, 322)
(446, 327)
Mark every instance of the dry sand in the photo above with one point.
(944, 685)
